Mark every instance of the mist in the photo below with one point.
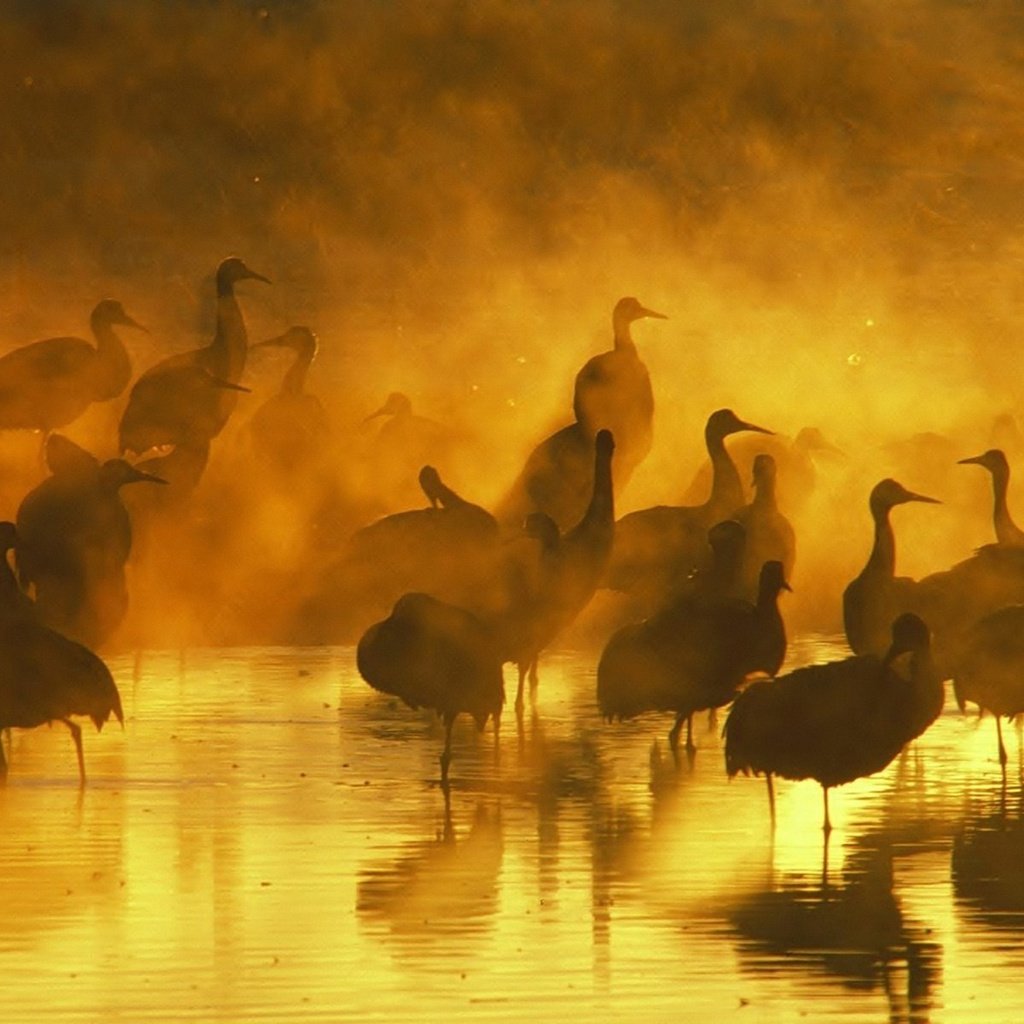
(823, 197)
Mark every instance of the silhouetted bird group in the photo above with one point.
(439, 598)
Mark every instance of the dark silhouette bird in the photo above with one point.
(797, 460)
(445, 550)
(180, 406)
(769, 534)
(173, 402)
(556, 481)
(571, 568)
(692, 655)
(988, 667)
(44, 676)
(876, 596)
(431, 654)
(657, 547)
(1008, 533)
(404, 441)
(74, 538)
(48, 384)
(290, 429)
(837, 721)
(612, 391)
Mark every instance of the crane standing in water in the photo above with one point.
(769, 534)
(74, 538)
(1008, 533)
(693, 655)
(876, 596)
(655, 548)
(50, 383)
(612, 391)
(187, 398)
(432, 654)
(989, 668)
(290, 429)
(44, 676)
(838, 721)
(571, 570)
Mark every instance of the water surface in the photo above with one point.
(267, 840)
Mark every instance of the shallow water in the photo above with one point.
(266, 840)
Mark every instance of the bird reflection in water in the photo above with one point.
(856, 932)
(439, 893)
(988, 864)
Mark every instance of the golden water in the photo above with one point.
(266, 840)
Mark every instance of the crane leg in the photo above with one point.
(76, 735)
(673, 734)
(771, 796)
(690, 748)
(446, 754)
(519, 689)
(1002, 749)
(827, 827)
(3, 760)
(533, 676)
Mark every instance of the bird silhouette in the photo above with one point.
(1008, 533)
(431, 654)
(44, 676)
(838, 721)
(657, 547)
(876, 596)
(404, 441)
(692, 655)
(50, 383)
(797, 460)
(556, 481)
(290, 429)
(611, 391)
(74, 538)
(988, 667)
(769, 534)
(445, 550)
(571, 568)
(187, 398)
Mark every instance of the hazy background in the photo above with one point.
(824, 197)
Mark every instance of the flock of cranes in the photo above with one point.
(438, 598)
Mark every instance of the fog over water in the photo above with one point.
(823, 197)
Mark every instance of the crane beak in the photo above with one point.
(974, 460)
(644, 311)
(279, 340)
(227, 385)
(252, 275)
(912, 496)
(752, 426)
(382, 411)
(138, 476)
(129, 322)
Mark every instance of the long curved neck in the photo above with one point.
(1007, 531)
(883, 552)
(623, 339)
(764, 493)
(113, 367)
(294, 382)
(230, 343)
(726, 488)
(601, 510)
